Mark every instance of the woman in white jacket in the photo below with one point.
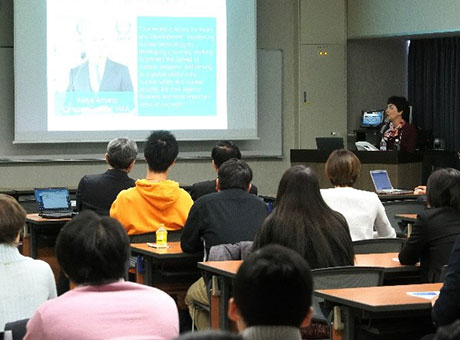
(362, 209)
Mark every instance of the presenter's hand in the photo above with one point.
(420, 190)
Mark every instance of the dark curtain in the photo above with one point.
(434, 87)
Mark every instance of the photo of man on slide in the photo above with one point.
(99, 83)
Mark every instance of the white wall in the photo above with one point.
(384, 18)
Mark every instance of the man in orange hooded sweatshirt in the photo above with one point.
(154, 200)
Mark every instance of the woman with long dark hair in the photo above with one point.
(302, 221)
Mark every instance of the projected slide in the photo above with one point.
(131, 64)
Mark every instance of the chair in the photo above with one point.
(402, 207)
(342, 277)
(173, 236)
(378, 245)
(18, 328)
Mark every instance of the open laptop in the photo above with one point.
(53, 202)
(383, 185)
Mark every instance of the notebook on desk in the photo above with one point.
(383, 184)
(53, 202)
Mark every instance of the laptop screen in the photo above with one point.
(52, 198)
(381, 180)
(372, 118)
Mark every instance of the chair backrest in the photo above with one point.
(402, 207)
(18, 328)
(378, 245)
(173, 236)
(342, 277)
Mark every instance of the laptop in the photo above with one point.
(53, 202)
(383, 185)
(329, 143)
(372, 118)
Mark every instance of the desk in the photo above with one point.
(225, 272)
(371, 303)
(45, 228)
(394, 272)
(169, 269)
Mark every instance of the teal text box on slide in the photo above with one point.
(177, 66)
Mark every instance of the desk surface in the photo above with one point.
(384, 260)
(407, 217)
(381, 299)
(174, 251)
(34, 218)
(224, 268)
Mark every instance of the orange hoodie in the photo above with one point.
(142, 208)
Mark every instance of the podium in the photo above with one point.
(404, 168)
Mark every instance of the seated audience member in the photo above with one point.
(447, 307)
(154, 200)
(228, 216)
(303, 222)
(420, 190)
(448, 332)
(221, 153)
(272, 295)
(363, 210)
(24, 283)
(97, 192)
(93, 251)
(435, 230)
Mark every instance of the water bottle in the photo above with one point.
(397, 145)
(162, 236)
(383, 145)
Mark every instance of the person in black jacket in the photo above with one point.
(97, 192)
(447, 307)
(221, 153)
(435, 230)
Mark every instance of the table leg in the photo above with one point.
(148, 268)
(349, 321)
(225, 289)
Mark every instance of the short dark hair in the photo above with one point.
(401, 104)
(448, 332)
(92, 249)
(443, 188)
(273, 287)
(234, 173)
(12, 219)
(223, 151)
(121, 152)
(210, 335)
(160, 150)
(342, 168)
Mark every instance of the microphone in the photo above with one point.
(384, 126)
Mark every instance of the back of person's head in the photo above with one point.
(93, 250)
(443, 188)
(223, 151)
(12, 219)
(273, 287)
(401, 104)
(210, 335)
(448, 332)
(342, 168)
(302, 221)
(121, 152)
(160, 150)
(234, 173)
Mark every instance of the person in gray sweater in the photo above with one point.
(272, 295)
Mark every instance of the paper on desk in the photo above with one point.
(424, 295)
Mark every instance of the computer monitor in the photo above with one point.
(372, 118)
(329, 143)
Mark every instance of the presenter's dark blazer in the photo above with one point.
(115, 78)
(97, 192)
(431, 242)
(207, 187)
(447, 308)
